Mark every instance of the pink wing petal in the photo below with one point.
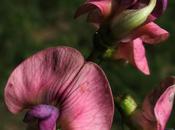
(140, 57)
(42, 78)
(104, 7)
(164, 107)
(151, 33)
(157, 105)
(89, 105)
(134, 52)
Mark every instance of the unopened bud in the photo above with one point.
(127, 105)
(129, 20)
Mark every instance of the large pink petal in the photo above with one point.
(42, 78)
(88, 104)
(134, 52)
(157, 105)
(151, 33)
(104, 7)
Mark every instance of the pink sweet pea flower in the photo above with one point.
(130, 46)
(58, 85)
(131, 49)
(156, 108)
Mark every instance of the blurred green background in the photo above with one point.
(27, 26)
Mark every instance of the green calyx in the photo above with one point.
(129, 20)
(128, 105)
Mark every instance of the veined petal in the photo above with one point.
(134, 52)
(151, 33)
(42, 78)
(104, 7)
(89, 105)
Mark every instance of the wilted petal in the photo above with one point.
(157, 105)
(42, 78)
(134, 52)
(89, 105)
(104, 7)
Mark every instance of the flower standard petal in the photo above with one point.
(89, 105)
(42, 78)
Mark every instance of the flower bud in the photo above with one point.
(129, 20)
(127, 105)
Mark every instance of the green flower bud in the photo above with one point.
(108, 53)
(128, 105)
(129, 20)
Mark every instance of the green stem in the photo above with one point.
(99, 49)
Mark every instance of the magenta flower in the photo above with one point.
(130, 46)
(59, 88)
(156, 108)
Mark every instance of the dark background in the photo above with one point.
(27, 26)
